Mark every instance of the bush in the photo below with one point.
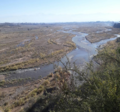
(100, 91)
(46, 82)
(2, 82)
(116, 25)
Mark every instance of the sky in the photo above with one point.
(49, 11)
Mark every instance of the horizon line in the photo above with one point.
(56, 22)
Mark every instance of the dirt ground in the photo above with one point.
(102, 34)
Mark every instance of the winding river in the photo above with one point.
(82, 54)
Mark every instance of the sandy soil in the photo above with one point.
(102, 34)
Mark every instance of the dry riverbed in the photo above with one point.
(29, 46)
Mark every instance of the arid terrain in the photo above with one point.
(33, 45)
(29, 46)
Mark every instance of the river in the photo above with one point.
(81, 55)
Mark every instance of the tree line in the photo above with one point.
(116, 25)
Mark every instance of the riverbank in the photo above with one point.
(84, 52)
(27, 51)
(102, 34)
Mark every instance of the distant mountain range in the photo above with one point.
(96, 22)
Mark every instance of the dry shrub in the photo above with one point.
(46, 82)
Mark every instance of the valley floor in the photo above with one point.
(25, 46)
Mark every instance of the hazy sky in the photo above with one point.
(59, 10)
